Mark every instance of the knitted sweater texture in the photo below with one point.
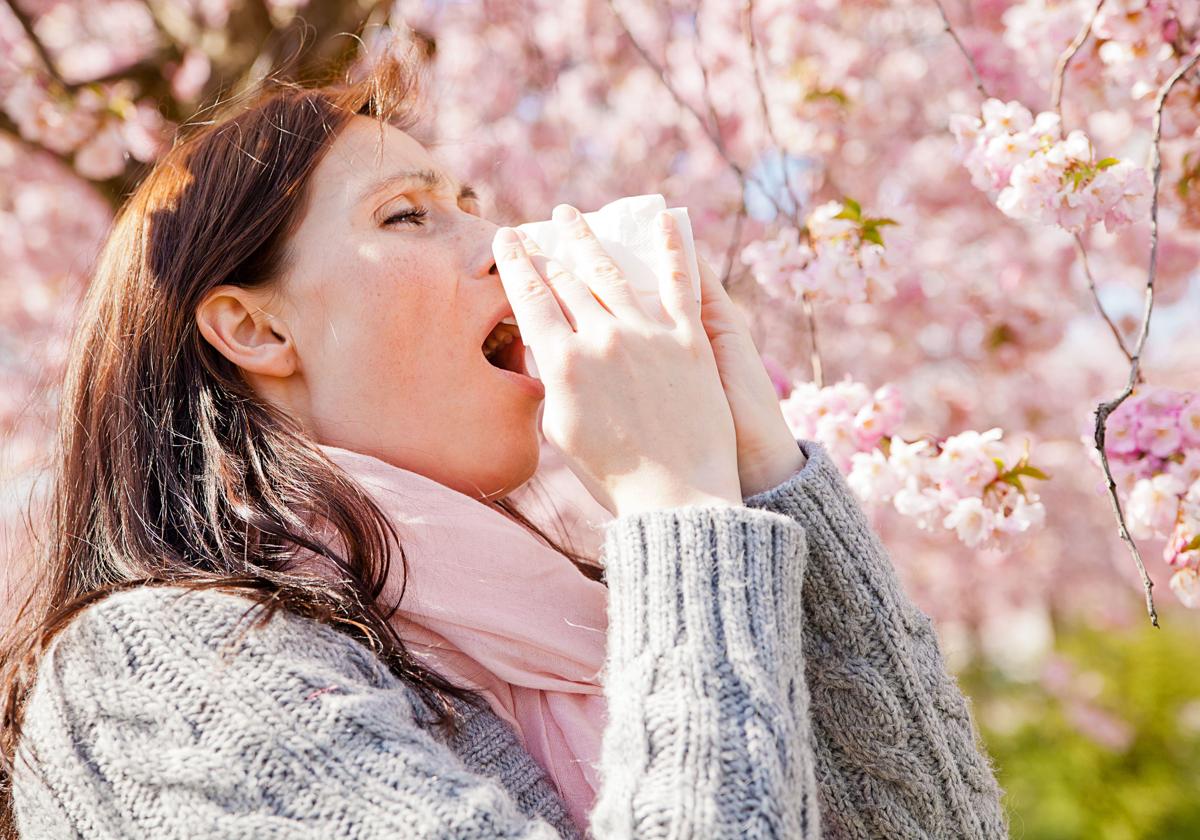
(766, 677)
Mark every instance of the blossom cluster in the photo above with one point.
(963, 484)
(101, 125)
(1136, 39)
(1033, 173)
(839, 256)
(1153, 445)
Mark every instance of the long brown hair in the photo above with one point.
(169, 469)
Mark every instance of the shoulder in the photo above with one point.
(138, 625)
(168, 712)
(164, 649)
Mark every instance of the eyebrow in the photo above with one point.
(427, 178)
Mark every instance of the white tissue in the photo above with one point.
(627, 231)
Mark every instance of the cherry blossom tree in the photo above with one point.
(965, 234)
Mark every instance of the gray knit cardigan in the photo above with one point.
(766, 677)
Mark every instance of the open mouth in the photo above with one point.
(503, 348)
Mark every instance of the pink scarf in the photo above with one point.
(491, 607)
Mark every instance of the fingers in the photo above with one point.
(720, 315)
(675, 282)
(598, 269)
(581, 303)
(534, 304)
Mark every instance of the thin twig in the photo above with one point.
(1087, 270)
(1106, 408)
(706, 95)
(734, 241)
(1064, 60)
(766, 114)
(1056, 94)
(818, 375)
(704, 91)
(963, 49)
(809, 313)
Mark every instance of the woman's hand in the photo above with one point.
(635, 405)
(766, 449)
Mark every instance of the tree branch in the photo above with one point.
(766, 112)
(814, 358)
(714, 138)
(1087, 270)
(734, 241)
(963, 49)
(1107, 408)
(1064, 60)
(27, 24)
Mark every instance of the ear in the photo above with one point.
(232, 321)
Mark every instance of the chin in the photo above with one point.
(514, 464)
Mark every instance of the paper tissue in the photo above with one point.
(627, 231)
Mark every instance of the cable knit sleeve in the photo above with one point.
(708, 733)
(160, 713)
(895, 747)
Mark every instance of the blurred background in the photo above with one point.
(752, 115)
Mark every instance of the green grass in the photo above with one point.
(1062, 785)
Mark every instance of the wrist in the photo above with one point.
(685, 497)
(775, 471)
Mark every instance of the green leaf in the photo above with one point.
(1193, 545)
(872, 235)
(1031, 471)
(880, 221)
(1107, 162)
(1014, 480)
(836, 94)
(851, 210)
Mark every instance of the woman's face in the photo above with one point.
(390, 292)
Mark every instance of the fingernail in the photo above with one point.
(507, 236)
(565, 213)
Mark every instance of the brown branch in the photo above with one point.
(1087, 270)
(963, 49)
(1064, 60)
(714, 138)
(1107, 408)
(27, 24)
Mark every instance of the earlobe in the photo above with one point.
(258, 342)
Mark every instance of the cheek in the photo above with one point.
(384, 326)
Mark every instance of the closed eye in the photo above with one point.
(413, 215)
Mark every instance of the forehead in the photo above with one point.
(367, 152)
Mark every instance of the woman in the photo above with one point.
(208, 650)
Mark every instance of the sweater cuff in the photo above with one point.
(819, 478)
(723, 580)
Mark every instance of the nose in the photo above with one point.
(482, 232)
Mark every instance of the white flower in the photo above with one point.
(871, 476)
(1154, 505)
(906, 458)
(1185, 583)
(972, 521)
(1025, 516)
(921, 504)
